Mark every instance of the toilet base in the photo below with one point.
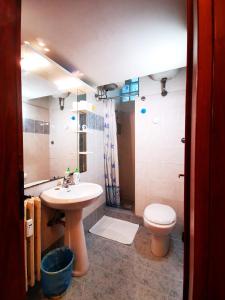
(160, 245)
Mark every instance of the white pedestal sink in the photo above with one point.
(72, 200)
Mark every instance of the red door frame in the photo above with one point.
(205, 152)
(189, 6)
(12, 282)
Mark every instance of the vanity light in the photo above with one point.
(78, 74)
(33, 61)
(46, 49)
(41, 44)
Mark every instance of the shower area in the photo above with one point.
(125, 118)
(119, 142)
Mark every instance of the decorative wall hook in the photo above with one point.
(163, 86)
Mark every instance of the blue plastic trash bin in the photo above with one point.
(56, 271)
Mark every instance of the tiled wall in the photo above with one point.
(36, 140)
(159, 153)
(95, 121)
(63, 137)
(35, 126)
(95, 160)
(50, 140)
(92, 120)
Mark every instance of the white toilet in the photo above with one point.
(160, 219)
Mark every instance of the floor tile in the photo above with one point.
(127, 272)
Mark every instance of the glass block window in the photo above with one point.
(130, 90)
(126, 89)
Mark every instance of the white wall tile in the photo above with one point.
(159, 153)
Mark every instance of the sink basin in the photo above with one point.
(72, 200)
(75, 197)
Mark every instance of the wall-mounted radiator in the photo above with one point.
(32, 240)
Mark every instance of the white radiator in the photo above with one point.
(32, 240)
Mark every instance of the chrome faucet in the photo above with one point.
(68, 180)
(65, 183)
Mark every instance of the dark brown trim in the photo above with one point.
(12, 281)
(200, 148)
(189, 5)
(206, 95)
(216, 252)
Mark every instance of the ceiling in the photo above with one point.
(109, 41)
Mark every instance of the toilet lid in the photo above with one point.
(160, 214)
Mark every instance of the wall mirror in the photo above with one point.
(54, 127)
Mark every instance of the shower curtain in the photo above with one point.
(111, 155)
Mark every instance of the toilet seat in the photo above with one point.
(160, 214)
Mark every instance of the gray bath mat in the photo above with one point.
(114, 229)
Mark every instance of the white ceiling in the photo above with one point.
(109, 41)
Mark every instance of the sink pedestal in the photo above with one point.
(75, 240)
(72, 201)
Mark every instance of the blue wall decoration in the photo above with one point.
(143, 110)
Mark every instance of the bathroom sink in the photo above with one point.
(75, 197)
(72, 200)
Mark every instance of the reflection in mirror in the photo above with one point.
(51, 138)
(50, 142)
(82, 133)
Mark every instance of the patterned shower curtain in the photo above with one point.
(111, 155)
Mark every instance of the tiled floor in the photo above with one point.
(124, 272)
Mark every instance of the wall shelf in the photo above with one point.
(82, 107)
(83, 111)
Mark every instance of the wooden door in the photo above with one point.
(12, 285)
(205, 152)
